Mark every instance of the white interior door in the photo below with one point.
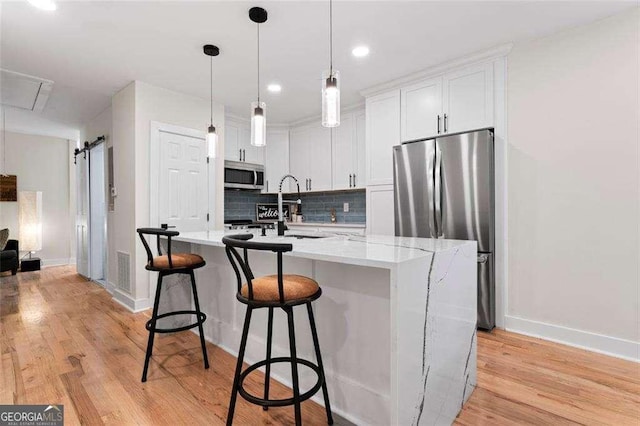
(182, 189)
(82, 215)
(97, 213)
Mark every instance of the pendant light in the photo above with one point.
(331, 84)
(258, 117)
(212, 137)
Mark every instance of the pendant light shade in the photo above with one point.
(212, 137)
(212, 142)
(331, 98)
(258, 124)
(331, 84)
(258, 108)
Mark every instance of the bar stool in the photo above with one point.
(273, 291)
(169, 264)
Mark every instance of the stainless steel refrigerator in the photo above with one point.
(444, 188)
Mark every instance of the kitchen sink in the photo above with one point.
(302, 236)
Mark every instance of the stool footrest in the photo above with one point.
(201, 319)
(279, 402)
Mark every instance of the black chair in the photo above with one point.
(176, 263)
(9, 260)
(273, 291)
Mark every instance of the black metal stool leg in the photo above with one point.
(154, 316)
(268, 366)
(316, 345)
(294, 364)
(236, 378)
(200, 328)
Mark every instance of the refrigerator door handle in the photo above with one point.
(437, 193)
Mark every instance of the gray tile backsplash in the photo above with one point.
(316, 206)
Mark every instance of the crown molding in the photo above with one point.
(309, 120)
(474, 58)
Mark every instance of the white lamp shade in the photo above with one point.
(30, 220)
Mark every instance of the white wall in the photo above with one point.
(573, 186)
(133, 109)
(41, 163)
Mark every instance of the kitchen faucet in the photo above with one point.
(281, 225)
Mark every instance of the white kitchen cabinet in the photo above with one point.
(276, 160)
(348, 165)
(344, 153)
(299, 143)
(380, 210)
(359, 177)
(383, 132)
(320, 161)
(310, 157)
(468, 99)
(454, 102)
(421, 109)
(231, 138)
(237, 142)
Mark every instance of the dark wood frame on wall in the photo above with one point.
(8, 188)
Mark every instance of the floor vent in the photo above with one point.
(124, 276)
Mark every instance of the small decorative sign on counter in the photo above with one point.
(269, 212)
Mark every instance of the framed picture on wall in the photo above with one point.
(8, 188)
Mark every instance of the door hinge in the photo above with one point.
(207, 217)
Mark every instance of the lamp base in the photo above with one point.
(31, 264)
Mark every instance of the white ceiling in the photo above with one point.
(93, 49)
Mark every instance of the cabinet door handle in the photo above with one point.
(354, 180)
(310, 184)
(267, 186)
(438, 123)
(350, 180)
(244, 155)
(445, 123)
(239, 155)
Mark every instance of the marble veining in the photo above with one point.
(419, 370)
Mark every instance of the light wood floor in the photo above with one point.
(63, 340)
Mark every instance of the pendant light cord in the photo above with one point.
(258, 26)
(330, 37)
(211, 86)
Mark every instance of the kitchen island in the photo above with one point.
(396, 320)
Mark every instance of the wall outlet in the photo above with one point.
(345, 207)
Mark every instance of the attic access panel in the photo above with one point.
(24, 91)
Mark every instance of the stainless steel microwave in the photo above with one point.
(241, 175)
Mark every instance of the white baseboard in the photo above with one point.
(134, 305)
(111, 287)
(57, 262)
(607, 345)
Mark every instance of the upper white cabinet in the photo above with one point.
(468, 98)
(421, 109)
(276, 160)
(383, 132)
(348, 165)
(310, 157)
(237, 142)
(454, 102)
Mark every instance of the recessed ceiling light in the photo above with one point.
(360, 51)
(43, 4)
(274, 88)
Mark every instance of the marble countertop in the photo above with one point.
(370, 250)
